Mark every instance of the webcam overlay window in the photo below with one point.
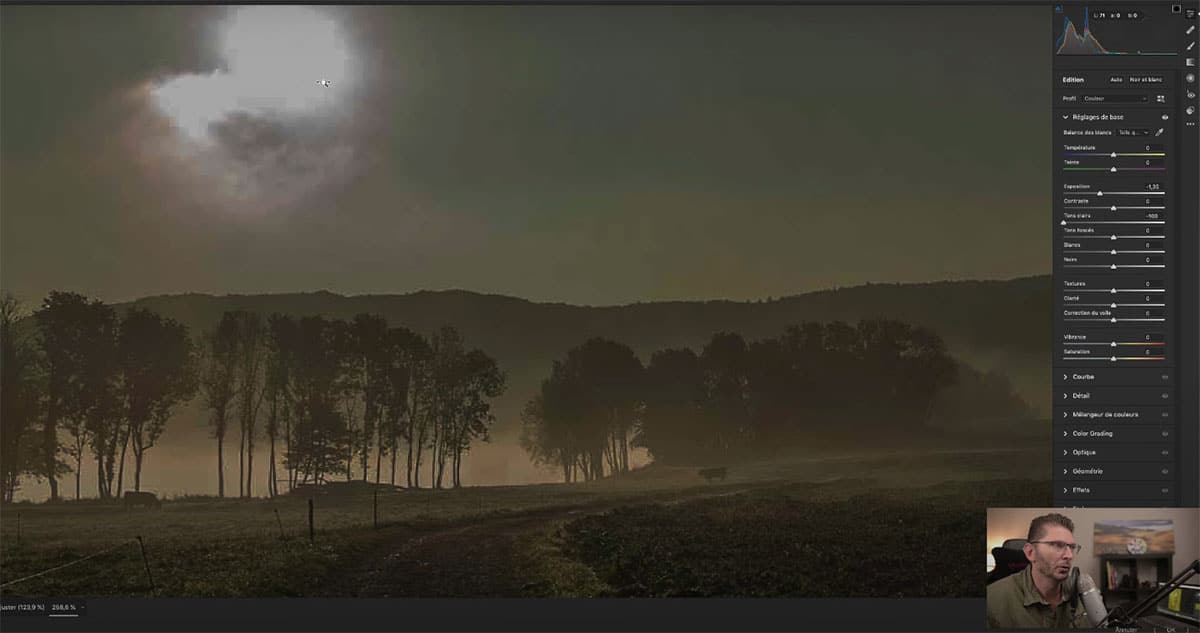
(573, 316)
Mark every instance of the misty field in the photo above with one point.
(800, 540)
(912, 523)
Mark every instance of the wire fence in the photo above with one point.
(219, 533)
(238, 528)
(66, 565)
(280, 528)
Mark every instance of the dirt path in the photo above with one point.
(476, 558)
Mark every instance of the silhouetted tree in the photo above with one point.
(422, 412)
(78, 338)
(736, 398)
(218, 382)
(369, 363)
(410, 378)
(536, 436)
(403, 350)
(725, 362)
(158, 373)
(20, 373)
(57, 329)
(447, 346)
(250, 366)
(613, 375)
(586, 411)
(674, 397)
(479, 379)
(321, 437)
(281, 335)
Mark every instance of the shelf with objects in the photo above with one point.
(1122, 582)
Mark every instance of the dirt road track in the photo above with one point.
(476, 558)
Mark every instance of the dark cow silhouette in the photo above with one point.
(141, 499)
(713, 473)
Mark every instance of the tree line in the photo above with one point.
(737, 398)
(337, 398)
(328, 396)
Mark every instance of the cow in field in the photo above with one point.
(147, 499)
(710, 474)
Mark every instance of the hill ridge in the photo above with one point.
(498, 295)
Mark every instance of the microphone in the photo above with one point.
(1087, 591)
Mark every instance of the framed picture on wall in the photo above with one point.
(1135, 537)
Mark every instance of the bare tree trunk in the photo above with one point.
(612, 462)
(250, 464)
(627, 450)
(434, 480)
(50, 445)
(434, 455)
(416, 466)
(241, 458)
(121, 467)
(458, 454)
(443, 452)
(411, 439)
(272, 483)
(365, 458)
(287, 436)
(378, 448)
(139, 452)
(100, 473)
(220, 465)
(378, 463)
(393, 479)
(110, 462)
(250, 424)
(624, 450)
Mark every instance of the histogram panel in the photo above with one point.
(1104, 31)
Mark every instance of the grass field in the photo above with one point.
(801, 540)
(788, 527)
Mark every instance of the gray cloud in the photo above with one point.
(586, 154)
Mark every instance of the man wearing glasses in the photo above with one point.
(1038, 597)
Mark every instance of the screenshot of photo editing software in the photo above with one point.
(542, 316)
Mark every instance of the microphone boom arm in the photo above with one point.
(1127, 617)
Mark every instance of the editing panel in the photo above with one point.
(1124, 157)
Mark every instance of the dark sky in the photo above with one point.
(592, 155)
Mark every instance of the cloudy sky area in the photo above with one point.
(592, 155)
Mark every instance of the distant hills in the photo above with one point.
(980, 314)
(1005, 325)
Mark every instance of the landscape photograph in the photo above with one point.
(1117, 538)
(518, 301)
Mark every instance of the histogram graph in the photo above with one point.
(1095, 32)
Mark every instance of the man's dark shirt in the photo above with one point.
(1013, 602)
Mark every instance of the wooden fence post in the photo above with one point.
(312, 539)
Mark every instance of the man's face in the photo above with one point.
(1050, 561)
